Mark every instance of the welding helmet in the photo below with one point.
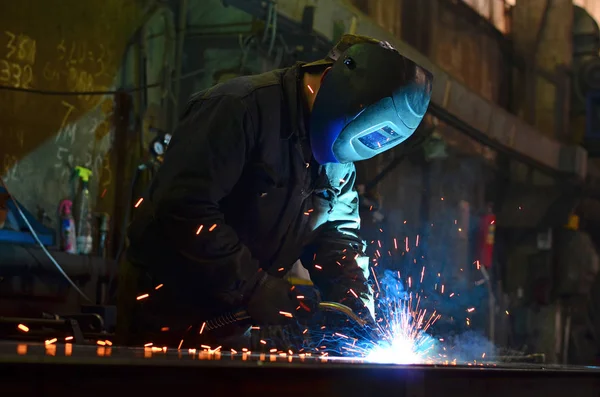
(371, 100)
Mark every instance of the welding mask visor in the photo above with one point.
(371, 100)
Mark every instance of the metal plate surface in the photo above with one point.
(65, 369)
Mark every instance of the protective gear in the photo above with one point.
(359, 307)
(308, 299)
(341, 270)
(239, 191)
(274, 301)
(371, 100)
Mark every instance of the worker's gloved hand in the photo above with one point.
(359, 307)
(358, 299)
(308, 299)
(354, 294)
(274, 301)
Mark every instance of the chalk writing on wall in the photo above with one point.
(16, 67)
(17, 59)
(15, 139)
(39, 166)
(83, 141)
(80, 66)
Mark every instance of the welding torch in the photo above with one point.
(241, 315)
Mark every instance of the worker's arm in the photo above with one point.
(340, 268)
(204, 161)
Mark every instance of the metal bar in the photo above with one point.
(484, 139)
(32, 321)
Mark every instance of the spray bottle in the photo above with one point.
(67, 227)
(82, 212)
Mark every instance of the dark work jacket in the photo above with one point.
(239, 190)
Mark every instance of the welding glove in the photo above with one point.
(274, 301)
(359, 307)
(357, 297)
(355, 294)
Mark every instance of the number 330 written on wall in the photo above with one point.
(15, 75)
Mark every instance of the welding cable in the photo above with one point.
(231, 318)
(37, 239)
(91, 93)
(340, 308)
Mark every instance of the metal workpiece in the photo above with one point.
(69, 370)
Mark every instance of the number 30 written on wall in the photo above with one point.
(15, 75)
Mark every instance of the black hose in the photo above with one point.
(233, 317)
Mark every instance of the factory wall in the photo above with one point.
(541, 88)
(469, 50)
(80, 48)
(98, 46)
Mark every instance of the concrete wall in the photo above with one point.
(100, 45)
(79, 47)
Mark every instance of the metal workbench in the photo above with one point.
(71, 370)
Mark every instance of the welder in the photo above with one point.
(258, 175)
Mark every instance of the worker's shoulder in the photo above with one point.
(243, 87)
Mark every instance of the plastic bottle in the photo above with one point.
(82, 213)
(67, 227)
